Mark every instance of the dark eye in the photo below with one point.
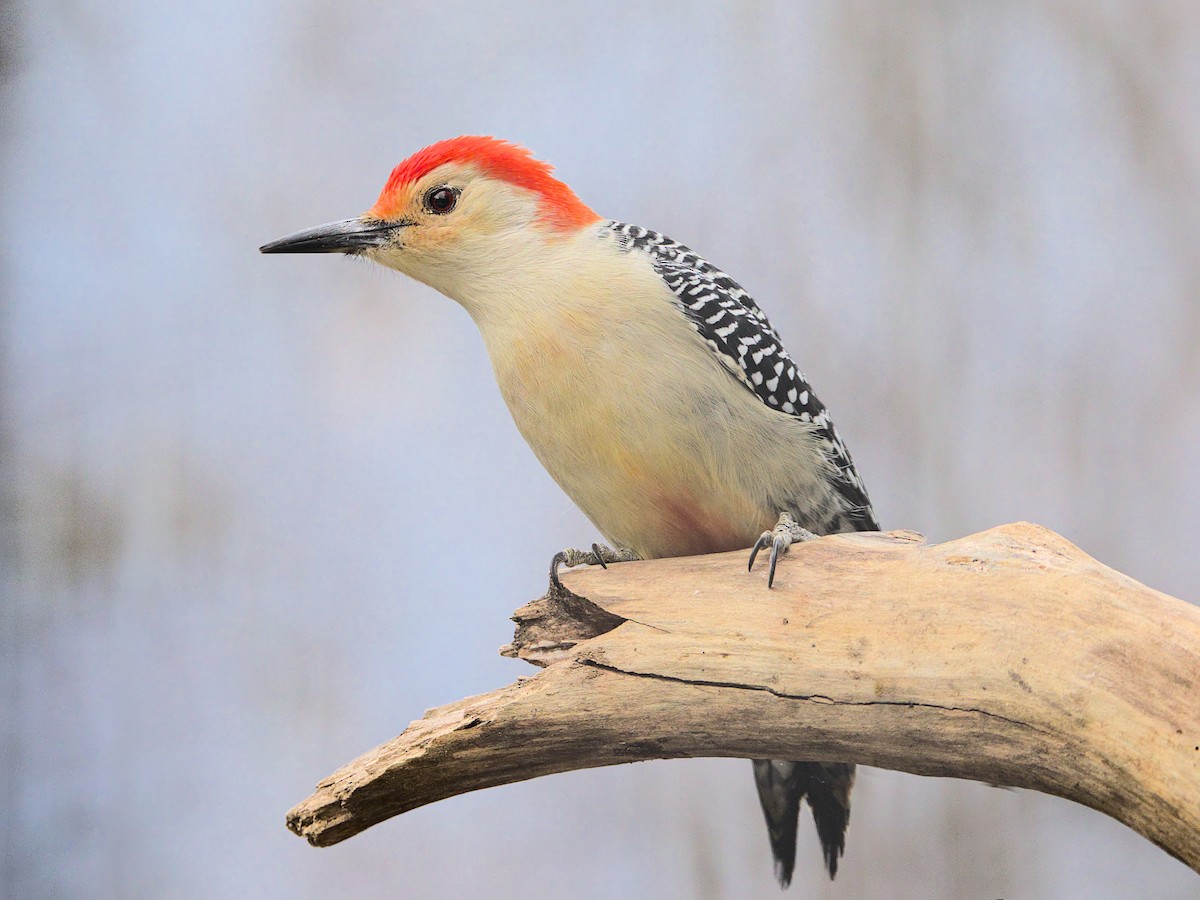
(441, 200)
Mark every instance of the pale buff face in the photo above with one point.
(487, 220)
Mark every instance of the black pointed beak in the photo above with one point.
(349, 236)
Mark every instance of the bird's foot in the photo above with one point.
(600, 555)
(787, 532)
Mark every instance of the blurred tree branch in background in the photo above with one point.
(1009, 656)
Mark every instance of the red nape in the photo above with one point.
(498, 159)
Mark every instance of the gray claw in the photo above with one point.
(763, 540)
(776, 545)
(599, 556)
(559, 558)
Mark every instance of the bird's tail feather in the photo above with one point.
(782, 784)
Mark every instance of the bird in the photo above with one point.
(649, 383)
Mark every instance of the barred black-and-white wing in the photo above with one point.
(743, 340)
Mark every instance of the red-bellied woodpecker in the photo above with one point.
(649, 384)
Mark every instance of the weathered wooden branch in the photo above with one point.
(1009, 656)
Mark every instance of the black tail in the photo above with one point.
(781, 786)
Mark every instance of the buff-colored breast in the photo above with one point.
(633, 415)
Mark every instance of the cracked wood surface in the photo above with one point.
(1009, 657)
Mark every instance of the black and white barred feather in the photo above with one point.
(732, 324)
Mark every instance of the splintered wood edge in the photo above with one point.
(551, 626)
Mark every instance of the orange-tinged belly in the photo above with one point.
(686, 527)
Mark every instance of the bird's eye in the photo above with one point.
(441, 200)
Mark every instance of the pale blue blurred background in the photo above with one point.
(258, 513)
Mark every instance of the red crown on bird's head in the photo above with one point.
(497, 159)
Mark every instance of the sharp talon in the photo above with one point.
(762, 541)
(776, 546)
(599, 556)
(559, 558)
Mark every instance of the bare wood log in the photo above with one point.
(1008, 656)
